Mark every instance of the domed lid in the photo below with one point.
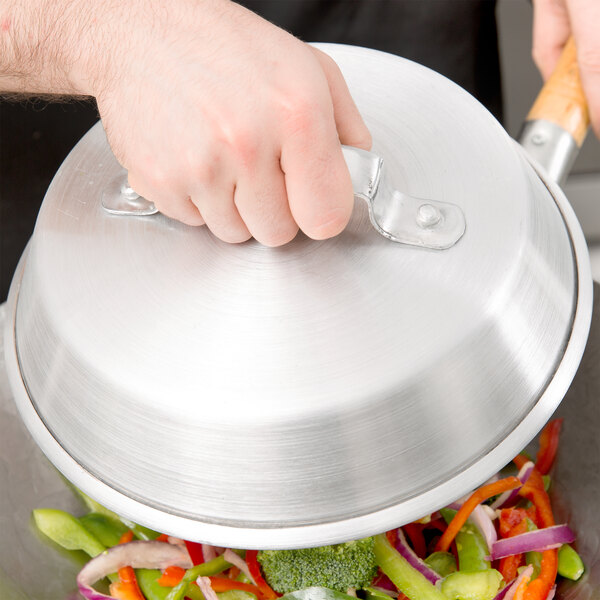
(295, 396)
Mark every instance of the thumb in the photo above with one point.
(351, 128)
(551, 30)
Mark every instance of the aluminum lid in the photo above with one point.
(258, 397)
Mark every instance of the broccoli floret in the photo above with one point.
(336, 567)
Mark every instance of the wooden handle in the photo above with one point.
(562, 100)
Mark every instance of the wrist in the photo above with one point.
(58, 52)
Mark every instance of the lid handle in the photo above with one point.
(397, 216)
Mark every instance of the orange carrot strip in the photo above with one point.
(222, 584)
(477, 497)
(126, 537)
(127, 587)
(171, 576)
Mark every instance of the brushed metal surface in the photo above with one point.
(261, 397)
(553, 147)
(31, 568)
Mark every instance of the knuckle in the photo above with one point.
(300, 114)
(241, 142)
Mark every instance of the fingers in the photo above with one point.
(351, 128)
(585, 20)
(175, 205)
(551, 30)
(261, 199)
(316, 176)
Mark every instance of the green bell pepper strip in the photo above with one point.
(406, 578)
(140, 532)
(443, 563)
(104, 528)
(533, 558)
(148, 581)
(470, 545)
(373, 594)
(212, 567)
(482, 585)
(318, 593)
(570, 564)
(239, 595)
(67, 531)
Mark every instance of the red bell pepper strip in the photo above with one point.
(534, 491)
(392, 536)
(163, 537)
(548, 446)
(195, 551)
(254, 568)
(414, 531)
(477, 497)
(512, 522)
(171, 576)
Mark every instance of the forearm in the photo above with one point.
(47, 47)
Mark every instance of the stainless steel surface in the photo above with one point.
(551, 146)
(316, 392)
(396, 215)
(34, 569)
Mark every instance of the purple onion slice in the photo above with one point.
(533, 541)
(413, 560)
(138, 554)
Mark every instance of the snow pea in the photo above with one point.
(443, 563)
(470, 544)
(104, 528)
(482, 585)
(406, 578)
(570, 564)
(148, 582)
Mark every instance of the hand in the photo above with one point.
(553, 22)
(222, 118)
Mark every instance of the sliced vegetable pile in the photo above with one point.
(500, 543)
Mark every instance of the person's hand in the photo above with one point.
(553, 22)
(222, 118)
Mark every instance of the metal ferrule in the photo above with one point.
(551, 146)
